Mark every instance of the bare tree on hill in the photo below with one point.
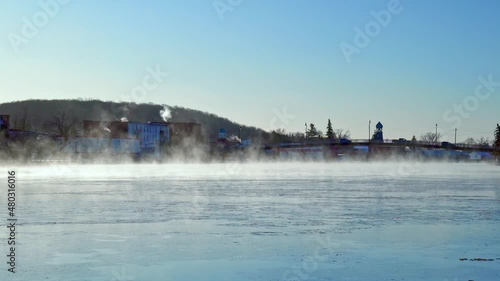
(431, 138)
(62, 125)
(483, 142)
(470, 141)
(342, 134)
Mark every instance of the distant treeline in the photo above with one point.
(39, 115)
(65, 117)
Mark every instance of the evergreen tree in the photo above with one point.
(329, 131)
(312, 132)
(496, 142)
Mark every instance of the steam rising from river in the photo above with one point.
(257, 221)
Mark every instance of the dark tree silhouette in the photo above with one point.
(470, 141)
(483, 142)
(430, 138)
(496, 142)
(312, 132)
(64, 126)
(342, 134)
(329, 131)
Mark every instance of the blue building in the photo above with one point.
(126, 136)
(150, 135)
(378, 135)
(5, 124)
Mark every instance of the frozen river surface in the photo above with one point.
(239, 222)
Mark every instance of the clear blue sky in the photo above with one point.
(264, 56)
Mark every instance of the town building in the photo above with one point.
(4, 125)
(125, 137)
(185, 133)
(480, 156)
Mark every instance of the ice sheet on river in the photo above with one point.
(258, 221)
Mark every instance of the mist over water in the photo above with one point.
(258, 221)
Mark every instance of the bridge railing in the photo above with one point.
(396, 142)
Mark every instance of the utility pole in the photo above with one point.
(455, 136)
(436, 136)
(369, 130)
(306, 132)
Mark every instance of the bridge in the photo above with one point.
(395, 144)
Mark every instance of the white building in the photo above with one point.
(121, 137)
(474, 156)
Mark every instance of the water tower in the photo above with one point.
(378, 135)
(222, 135)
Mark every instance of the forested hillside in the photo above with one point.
(35, 115)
